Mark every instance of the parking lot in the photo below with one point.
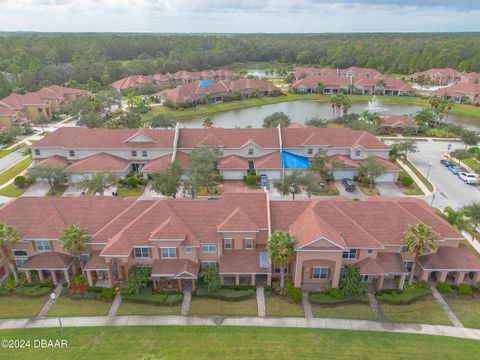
(450, 190)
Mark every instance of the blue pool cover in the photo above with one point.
(293, 161)
(205, 83)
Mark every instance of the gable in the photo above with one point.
(321, 244)
(137, 138)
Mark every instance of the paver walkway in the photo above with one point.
(187, 299)
(375, 305)
(307, 307)
(48, 305)
(117, 301)
(261, 301)
(443, 304)
(316, 323)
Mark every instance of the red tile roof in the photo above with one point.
(229, 138)
(233, 162)
(337, 138)
(95, 262)
(241, 261)
(451, 259)
(397, 121)
(131, 82)
(158, 164)
(386, 263)
(6, 110)
(446, 72)
(49, 260)
(237, 220)
(82, 138)
(99, 162)
(175, 268)
(51, 160)
(390, 166)
(460, 89)
(269, 161)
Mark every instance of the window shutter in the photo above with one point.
(34, 245)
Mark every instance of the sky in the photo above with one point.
(240, 16)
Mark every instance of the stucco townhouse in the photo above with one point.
(268, 151)
(179, 237)
(437, 76)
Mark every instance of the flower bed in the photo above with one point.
(406, 296)
(91, 292)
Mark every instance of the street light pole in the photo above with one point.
(433, 198)
(54, 298)
(429, 167)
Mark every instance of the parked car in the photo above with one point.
(263, 181)
(469, 178)
(446, 162)
(348, 184)
(454, 169)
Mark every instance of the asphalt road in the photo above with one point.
(11, 159)
(450, 190)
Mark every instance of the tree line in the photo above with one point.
(30, 61)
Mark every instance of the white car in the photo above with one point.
(469, 178)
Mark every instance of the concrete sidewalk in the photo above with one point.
(315, 323)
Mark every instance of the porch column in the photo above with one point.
(424, 275)
(476, 277)
(401, 284)
(237, 279)
(89, 277)
(155, 286)
(253, 280)
(54, 277)
(336, 274)
(460, 277)
(443, 276)
(269, 279)
(298, 274)
(40, 275)
(179, 284)
(29, 276)
(194, 285)
(380, 282)
(110, 275)
(222, 279)
(67, 277)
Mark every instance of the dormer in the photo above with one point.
(139, 137)
(237, 222)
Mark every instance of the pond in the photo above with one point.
(302, 110)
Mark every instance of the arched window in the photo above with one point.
(19, 253)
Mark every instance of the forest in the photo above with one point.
(29, 61)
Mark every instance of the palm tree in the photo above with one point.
(207, 121)
(455, 218)
(380, 84)
(74, 240)
(345, 103)
(206, 98)
(281, 248)
(27, 152)
(449, 103)
(257, 92)
(319, 88)
(418, 238)
(8, 237)
(211, 278)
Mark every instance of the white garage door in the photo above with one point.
(390, 176)
(271, 174)
(233, 174)
(344, 174)
(76, 178)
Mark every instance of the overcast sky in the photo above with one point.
(239, 16)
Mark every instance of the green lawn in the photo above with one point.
(4, 153)
(467, 310)
(202, 342)
(130, 308)
(12, 191)
(205, 306)
(473, 163)
(422, 178)
(366, 190)
(277, 306)
(344, 311)
(466, 110)
(413, 189)
(127, 191)
(82, 307)
(15, 170)
(18, 307)
(423, 311)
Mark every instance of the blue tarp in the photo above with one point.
(205, 83)
(293, 161)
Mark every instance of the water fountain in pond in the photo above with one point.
(375, 106)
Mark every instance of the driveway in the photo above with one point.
(450, 190)
(72, 190)
(389, 190)
(357, 194)
(38, 189)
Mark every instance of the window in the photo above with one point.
(206, 264)
(250, 151)
(320, 272)
(134, 153)
(248, 243)
(310, 151)
(358, 152)
(228, 243)
(408, 265)
(370, 251)
(20, 256)
(19, 253)
(144, 153)
(209, 248)
(43, 245)
(142, 252)
(71, 153)
(365, 278)
(188, 249)
(276, 269)
(350, 254)
(20, 261)
(169, 252)
(37, 151)
(84, 258)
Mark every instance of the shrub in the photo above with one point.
(132, 181)
(295, 294)
(473, 150)
(407, 180)
(424, 284)
(226, 294)
(20, 181)
(79, 280)
(33, 291)
(138, 278)
(444, 287)
(95, 289)
(465, 289)
(335, 293)
(10, 283)
(107, 293)
(251, 180)
(210, 276)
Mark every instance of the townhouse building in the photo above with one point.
(267, 151)
(177, 237)
(396, 123)
(461, 92)
(437, 76)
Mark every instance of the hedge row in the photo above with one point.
(226, 293)
(93, 292)
(405, 296)
(28, 291)
(157, 298)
